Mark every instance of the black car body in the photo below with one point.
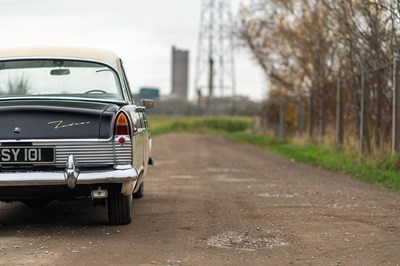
(70, 129)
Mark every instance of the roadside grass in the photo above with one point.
(383, 171)
(168, 124)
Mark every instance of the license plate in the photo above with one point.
(26, 155)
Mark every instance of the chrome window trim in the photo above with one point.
(59, 57)
(82, 99)
(117, 72)
(126, 82)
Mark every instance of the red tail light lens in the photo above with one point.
(121, 125)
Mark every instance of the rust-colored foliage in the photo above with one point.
(305, 46)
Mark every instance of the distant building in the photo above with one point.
(180, 73)
(149, 93)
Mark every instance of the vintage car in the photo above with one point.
(71, 130)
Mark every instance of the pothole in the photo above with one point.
(277, 195)
(259, 239)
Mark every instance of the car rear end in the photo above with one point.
(61, 144)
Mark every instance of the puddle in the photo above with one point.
(259, 239)
(277, 195)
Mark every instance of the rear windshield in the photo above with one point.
(67, 78)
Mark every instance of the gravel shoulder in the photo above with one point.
(209, 201)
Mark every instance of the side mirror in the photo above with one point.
(149, 104)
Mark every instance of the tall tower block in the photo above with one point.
(180, 73)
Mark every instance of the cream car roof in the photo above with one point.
(93, 54)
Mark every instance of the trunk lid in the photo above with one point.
(56, 119)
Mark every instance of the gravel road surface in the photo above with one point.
(209, 201)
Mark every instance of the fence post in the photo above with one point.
(321, 115)
(362, 114)
(282, 119)
(395, 111)
(310, 111)
(339, 116)
(300, 115)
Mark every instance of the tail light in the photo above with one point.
(122, 125)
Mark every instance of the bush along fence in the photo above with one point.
(359, 111)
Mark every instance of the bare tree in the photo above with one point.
(16, 86)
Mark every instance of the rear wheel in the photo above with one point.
(119, 209)
(139, 194)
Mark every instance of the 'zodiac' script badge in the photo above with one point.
(59, 124)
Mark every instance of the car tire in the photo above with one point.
(119, 209)
(139, 194)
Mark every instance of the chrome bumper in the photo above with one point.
(126, 175)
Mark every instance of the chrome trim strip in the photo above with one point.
(94, 153)
(55, 140)
(89, 153)
(81, 99)
(57, 178)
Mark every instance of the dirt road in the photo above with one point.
(209, 201)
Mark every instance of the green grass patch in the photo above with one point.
(167, 124)
(383, 171)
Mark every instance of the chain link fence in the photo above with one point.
(360, 111)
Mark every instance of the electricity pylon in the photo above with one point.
(215, 68)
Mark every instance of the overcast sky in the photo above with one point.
(141, 32)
